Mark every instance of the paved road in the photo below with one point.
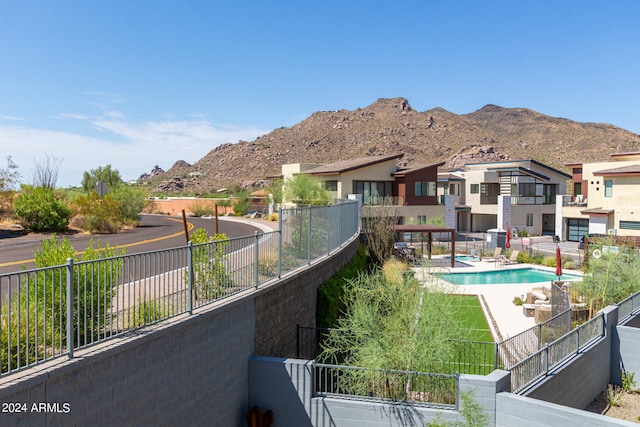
(154, 232)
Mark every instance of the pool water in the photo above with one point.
(501, 277)
(464, 258)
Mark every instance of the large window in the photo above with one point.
(373, 192)
(608, 188)
(489, 193)
(425, 188)
(527, 190)
(331, 185)
(577, 188)
(630, 225)
(475, 188)
(529, 220)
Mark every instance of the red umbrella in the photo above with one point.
(558, 262)
(508, 244)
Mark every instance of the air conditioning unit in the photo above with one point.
(612, 231)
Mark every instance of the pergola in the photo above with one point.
(430, 229)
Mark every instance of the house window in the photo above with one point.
(373, 192)
(577, 188)
(514, 190)
(454, 189)
(475, 188)
(331, 185)
(529, 220)
(608, 188)
(422, 219)
(630, 225)
(527, 190)
(425, 188)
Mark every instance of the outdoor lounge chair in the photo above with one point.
(496, 255)
(513, 257)
(582, 202)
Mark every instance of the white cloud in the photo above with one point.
(11, 118)
(72, 116)
(133, 148)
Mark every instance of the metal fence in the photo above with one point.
(528, 342)
(49, 312)
(540, 363)
(439, 390)
(628, 308)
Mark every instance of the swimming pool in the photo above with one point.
(500, 277)
(464, 258)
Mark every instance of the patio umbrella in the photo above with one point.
(508, 244)
(558, 262)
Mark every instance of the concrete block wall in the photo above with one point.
(294, 404)
(170, 374)
(578, 383)
(278, 310)
(513, 410)
(189, 370)
(629, 338)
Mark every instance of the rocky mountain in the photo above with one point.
(390, 126)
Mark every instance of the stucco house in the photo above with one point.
(412, 189)
(605, 200)
(515, 193)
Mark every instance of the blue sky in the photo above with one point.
(141, 83)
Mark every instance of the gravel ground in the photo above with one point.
(629, 408)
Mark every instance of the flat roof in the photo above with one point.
(348, 165)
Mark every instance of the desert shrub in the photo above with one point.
(613, 395)
(40, 209)
(394, 271)
(517, 301)
(199, 209)
(628, 381)
(131, 202)
(330, 294)
(43, 304)
(568, 263)
(210, 277)
(273, 217)
(268, 264)
(146, 313)
(524, 257)
(538, 258)
(549, 261)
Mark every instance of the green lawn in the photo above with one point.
(471, 317)
(473, 357)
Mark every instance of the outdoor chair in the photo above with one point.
(512, 258)
(496, 254)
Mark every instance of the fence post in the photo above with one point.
(577, 340)
(256, 254)
(190, 276)
(539, 336)
(297, 340)
(495, 355)
(545, 360)
(309, 235)
(70, 280)
(279, 243)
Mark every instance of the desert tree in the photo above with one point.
(105, 174)
(379, 223)
(304, 189)
(9, 176)
(45, 171)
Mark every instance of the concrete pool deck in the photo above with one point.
(509, 318)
